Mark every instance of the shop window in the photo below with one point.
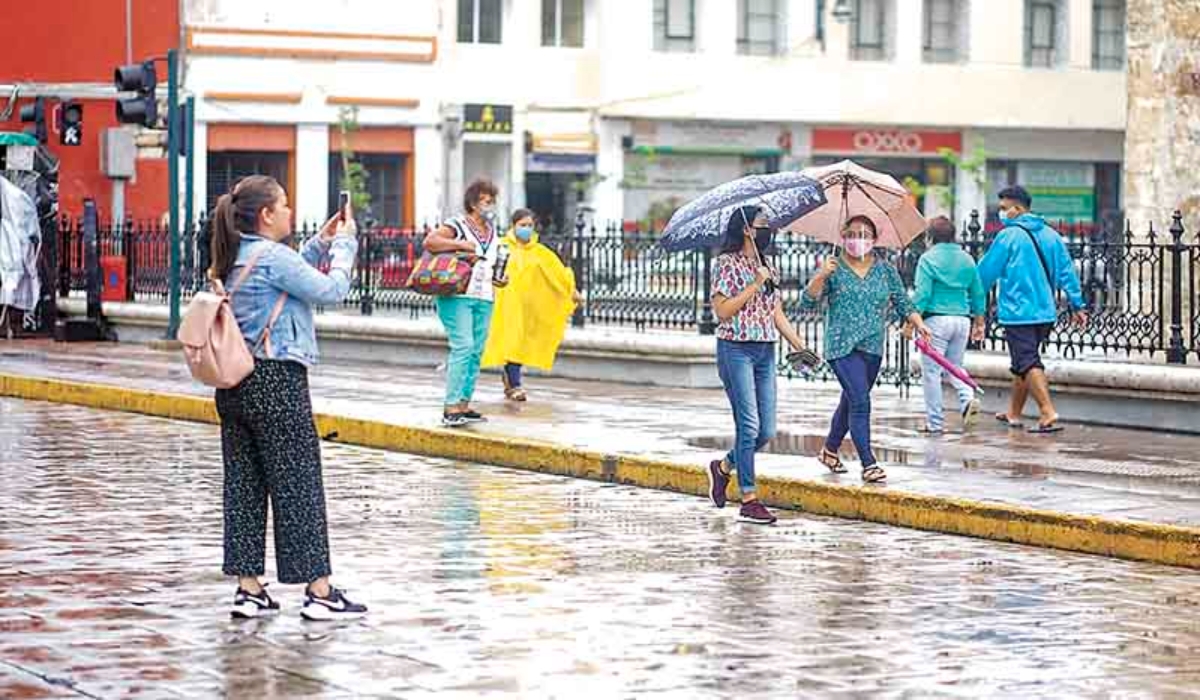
(1108, 34)
(675, 25)
(760, 25)
(870, 28)
(479, 21)
(945, 31)
(562, 23)
(1045, 33)
(226, 168)
(385, 184)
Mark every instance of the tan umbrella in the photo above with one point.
(852, 190)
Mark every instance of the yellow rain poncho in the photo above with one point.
(531, 313)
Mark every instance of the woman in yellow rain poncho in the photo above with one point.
(531, 313)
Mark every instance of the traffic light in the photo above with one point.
(35, 114)
(71, 124)
(139, 78)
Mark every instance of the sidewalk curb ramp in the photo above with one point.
(1149, 542)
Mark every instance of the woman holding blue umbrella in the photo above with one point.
(748, 305)
(741, 217)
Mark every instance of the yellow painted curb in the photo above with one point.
(1162, 544)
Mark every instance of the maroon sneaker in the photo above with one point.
(757, 513)
(718, 482)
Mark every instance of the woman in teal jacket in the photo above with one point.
(948, 295)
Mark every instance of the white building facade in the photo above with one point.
(633, 106)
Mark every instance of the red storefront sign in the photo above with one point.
(885, 141)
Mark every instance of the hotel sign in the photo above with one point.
(487, 119)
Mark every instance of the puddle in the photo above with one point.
(808, 446)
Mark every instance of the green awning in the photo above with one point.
(13, 138)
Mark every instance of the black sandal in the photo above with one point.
(873, 474)
(831, 461)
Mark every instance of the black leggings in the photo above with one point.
(272, 451)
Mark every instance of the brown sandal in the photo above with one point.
(515, 394)
(831, 461)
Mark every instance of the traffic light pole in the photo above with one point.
(173, 276)
(189, 175)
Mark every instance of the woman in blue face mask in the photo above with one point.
(531, 313)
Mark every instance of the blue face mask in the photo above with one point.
(1003, 215)
(523, 233)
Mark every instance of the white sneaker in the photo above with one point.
(335, 607)
(250, 605)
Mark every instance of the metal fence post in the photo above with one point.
(577, 267)
(708, 324)
(65, 231)
(1176, 353)
(366, 278)
(91, 258)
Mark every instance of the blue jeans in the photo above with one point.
(748, 372)
(466, 322)
(950, 336)
(856, 373)
(512, 375)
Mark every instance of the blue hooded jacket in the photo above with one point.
(1025, 294)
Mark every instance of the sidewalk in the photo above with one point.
(1089, 472)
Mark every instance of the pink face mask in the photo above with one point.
(858, 247)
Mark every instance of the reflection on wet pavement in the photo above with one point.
(1088, 470)
(487, 582)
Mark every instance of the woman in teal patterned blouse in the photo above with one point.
(861, 291)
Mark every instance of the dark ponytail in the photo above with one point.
(237, 212)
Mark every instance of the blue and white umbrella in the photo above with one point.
(783, 197)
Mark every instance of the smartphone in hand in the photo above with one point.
(343, 203)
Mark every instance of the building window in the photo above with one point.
(759, 27)
(675, 25)
(562, 23)
(226, 168)
(945, 31)
(1108, 34)
(385, 184)
(869, 31)
(1045, 22)
(479, 21)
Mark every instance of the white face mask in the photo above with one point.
(488, 212)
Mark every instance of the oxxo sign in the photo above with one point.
(884, 141)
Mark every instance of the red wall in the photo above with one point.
(82, 41)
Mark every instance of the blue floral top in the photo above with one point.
(858, 308)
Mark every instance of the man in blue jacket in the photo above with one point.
(1030, 261)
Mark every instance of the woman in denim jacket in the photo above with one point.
(268, 439)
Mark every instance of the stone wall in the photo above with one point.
(1162, 138)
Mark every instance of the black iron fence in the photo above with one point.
(1140, 288)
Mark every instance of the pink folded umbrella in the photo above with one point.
(955, 371)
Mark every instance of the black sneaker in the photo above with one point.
(248, 605)
(718, 482)
(757, 513)
(474, 417)
(334, 607)
(454, 420)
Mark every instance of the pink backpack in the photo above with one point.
(213, 345)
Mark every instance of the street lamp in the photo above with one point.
(842, 12)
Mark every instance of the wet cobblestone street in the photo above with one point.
(487, 582)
